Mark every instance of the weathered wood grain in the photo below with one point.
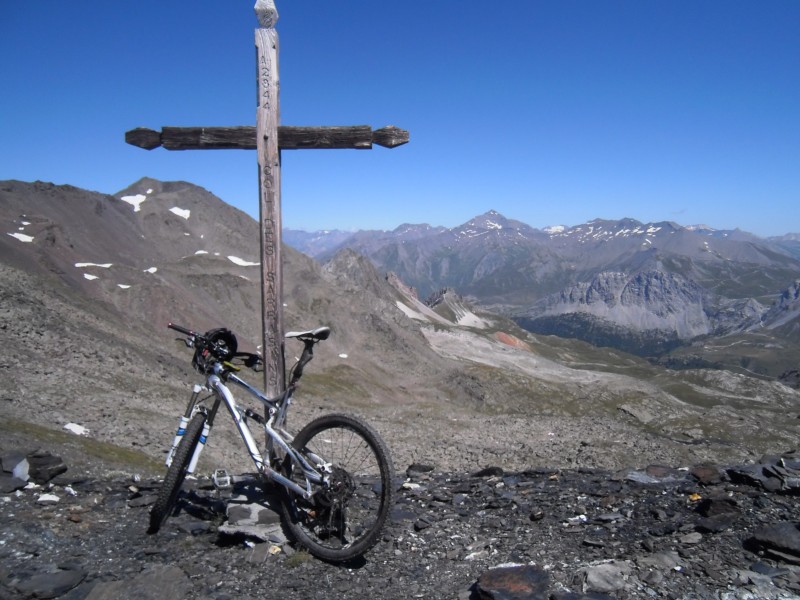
(269, 189)
(359, 137)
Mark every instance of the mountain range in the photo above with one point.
(89, 281)
(646, 288)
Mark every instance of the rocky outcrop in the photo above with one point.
(791, 378)
(356, 271)
(653, 300)
(784, 311)
(649, 313)
(38, 467)
(643, 313)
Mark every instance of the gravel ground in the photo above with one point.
(652, 533)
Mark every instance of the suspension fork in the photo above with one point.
(207, 425)
(184, 422)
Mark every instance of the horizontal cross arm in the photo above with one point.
(358, 136)
(244, 137)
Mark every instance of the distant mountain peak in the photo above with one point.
(488, 220)
(491, 224)
(411, 228)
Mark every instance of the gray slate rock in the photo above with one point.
(607, 577)
(772, 473)
(16, 465)
(779, 540)
(715, 524)
(44, 467)
(514, 583)
(9, 483)
(50, 585)
(155, 583)
(579, 596)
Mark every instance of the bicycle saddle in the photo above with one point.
(319, 334)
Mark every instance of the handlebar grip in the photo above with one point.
(182, 330)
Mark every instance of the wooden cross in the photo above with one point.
(269, 138)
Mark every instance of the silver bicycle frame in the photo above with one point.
(277, 412)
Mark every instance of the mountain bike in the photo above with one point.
(335, 476)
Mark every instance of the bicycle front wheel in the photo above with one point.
(173, 480)
(345, 518)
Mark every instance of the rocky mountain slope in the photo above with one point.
(90, 281)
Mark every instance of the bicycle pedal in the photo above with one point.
(221, 479)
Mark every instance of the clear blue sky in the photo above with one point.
(552, 112)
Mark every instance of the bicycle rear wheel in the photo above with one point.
(173, 480)
(344, 519)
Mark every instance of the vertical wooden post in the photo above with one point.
(269, 184)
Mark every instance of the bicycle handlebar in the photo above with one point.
(202, 341)
(182, 330)
(253, 361)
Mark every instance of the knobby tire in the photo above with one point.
(342, 523)
(173, 480)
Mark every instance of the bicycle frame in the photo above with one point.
(273, 427)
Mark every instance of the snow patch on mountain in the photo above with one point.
(242, 263)
(135, 201)
(181, 212)
(411, 313)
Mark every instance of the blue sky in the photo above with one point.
(552, 112)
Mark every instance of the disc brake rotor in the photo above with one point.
(341, 488)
